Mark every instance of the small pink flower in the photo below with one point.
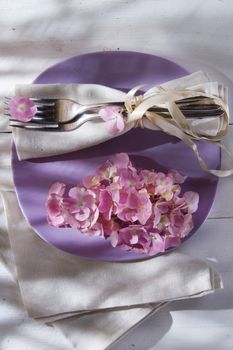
(180, 224)
(56, 213)
(57, 188)
(106, 171)
(133, 237)
(121, 161)
(22, 108)
(148, 179)
(129, 178)
(164, 186)
(82, 206)
(134, 205)
(91, 182)
(114, 119)
(136, 238)
(156, 245)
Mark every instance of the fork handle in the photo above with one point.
(184, 105)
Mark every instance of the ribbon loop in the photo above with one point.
(175, 123)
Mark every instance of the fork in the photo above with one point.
(59, 110)
(65, 114)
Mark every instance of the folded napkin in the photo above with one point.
(34, 144)
(104, 299)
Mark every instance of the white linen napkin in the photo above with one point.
(34, 144)
(55, 285)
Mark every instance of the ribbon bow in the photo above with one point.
(139, 107)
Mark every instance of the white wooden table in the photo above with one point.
(196, 34)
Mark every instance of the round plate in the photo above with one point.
(148, 149)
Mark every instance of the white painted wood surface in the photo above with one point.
(196, 34)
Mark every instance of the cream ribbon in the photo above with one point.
(177, 125)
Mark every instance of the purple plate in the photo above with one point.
(148, 149)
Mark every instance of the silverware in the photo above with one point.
(59, 110)
(68, 126)
(65, 114)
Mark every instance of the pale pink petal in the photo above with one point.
(114, 239)
(120, 123)
(105, 201)
(157, 216)
(157, 245)
(121, 161)
(111, 126)
(53, 206)
(95, 230)
(133, 200)
(109, 112)
(94, 217)
(57, 188)
(192, 200)
(113, 119)
(134, 239)
(177, 177)
(56, 221)
(82, 214)
(172, 241)
(76, 193)
(91, 181)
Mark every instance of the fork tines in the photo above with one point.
(45, 109)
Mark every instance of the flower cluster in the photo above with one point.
(138, 210)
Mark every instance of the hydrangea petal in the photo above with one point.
(192, 200)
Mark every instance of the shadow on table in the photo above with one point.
(148, 334)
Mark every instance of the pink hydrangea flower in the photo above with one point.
(121, 161)
(129, 178)
(148, 177)
(82, 206)
(91, 182)
(134, 205)
(56, 214)
(133, 237)
(157, 244)
(113, 117)
(106, 171)
(138, 239)
(164, 186)
(22, 108)
(139, 210)
(180, 224)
